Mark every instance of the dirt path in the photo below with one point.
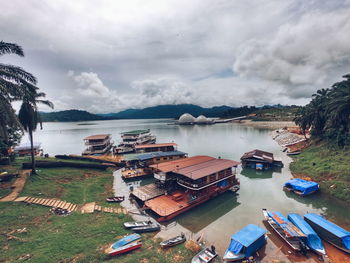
(17, 186)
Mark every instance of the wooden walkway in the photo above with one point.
(17, 186)
(84, 209)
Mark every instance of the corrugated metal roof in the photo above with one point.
(172, 165)
(142, 146)
(259, 154)
(97, 137)
(206, 168)
(150, 155)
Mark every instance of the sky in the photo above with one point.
(106, 56)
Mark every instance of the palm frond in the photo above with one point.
(16, 74)
(10, 48)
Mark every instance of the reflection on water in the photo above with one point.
(218, 218)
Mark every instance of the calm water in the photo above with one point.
(219, 218)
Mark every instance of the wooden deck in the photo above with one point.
(147, 192)
(168, 204)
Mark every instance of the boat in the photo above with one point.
(245, 243)
(312, 240)
(205, 256)
(286, 230)
(301, 187)
(133, 224)
(329, 231)
(115, 199)
(124, 245)
(149, 228)
(98, 144)
(132, 138)
(293, 153)
(124, 249)
(173, 241)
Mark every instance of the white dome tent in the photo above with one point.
(201, 119)
(186, 118)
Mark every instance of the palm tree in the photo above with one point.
(14, 84)
(29, 117)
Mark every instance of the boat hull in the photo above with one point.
(120, 251)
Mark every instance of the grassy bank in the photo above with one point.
(77, 237)
(328, 166)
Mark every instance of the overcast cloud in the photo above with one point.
(105, 56)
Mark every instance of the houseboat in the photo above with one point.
(25, 149)
(132, 138)
(260, 160)
(98, 144)
(157, 147)
(137, 165)
(189, 182)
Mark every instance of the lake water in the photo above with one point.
(219, 218)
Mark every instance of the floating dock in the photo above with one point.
(147, 192)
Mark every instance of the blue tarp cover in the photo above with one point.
(250, 237)
(331, 227)
(301, 185)
(126, 240)
(312, 239)
(222, 183)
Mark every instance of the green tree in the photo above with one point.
(14, 84)
(29, 117)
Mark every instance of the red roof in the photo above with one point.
(97, 137)
(181, 163)
(258, 154)
(207, 168)
(157, 145)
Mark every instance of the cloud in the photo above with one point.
(132, 54)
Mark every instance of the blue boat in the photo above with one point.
(312, 240)
(329, 231)
(301, 187)
(125, 240)
(245, 243)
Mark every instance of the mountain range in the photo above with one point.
(161, 111)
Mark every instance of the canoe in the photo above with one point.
(133, 224)
(115, 199)
(293, 153)
(173, 241)
(301, 187)
(286, 230)
(245, 243)
(125, 240)
(204, 256)
(312, 240)
(149, 228)
(124, 249)
(329, 231)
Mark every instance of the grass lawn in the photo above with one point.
(330, 167)
(77, 237)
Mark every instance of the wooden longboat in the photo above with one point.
(294, 242)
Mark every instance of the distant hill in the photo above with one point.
(69, 115)
(168, 111)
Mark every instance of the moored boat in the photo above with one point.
(245, 243)
(173, 241)
(329, 231)
(293, 153)
(122, 245)
(124, 249)
(205, 256)
(301, 187)
(149, 228)
(133, 224)
(286, 230)
(115, 199)
(312, 240)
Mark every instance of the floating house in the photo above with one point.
(187, 183)
(329, 231)
(137, 165)
(245, 243)
(25, 149)
(260, 160)
(157, 147)
(98, 144)
(301, 187)
(132, 138)
(312, 240)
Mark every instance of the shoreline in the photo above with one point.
(273, 125)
